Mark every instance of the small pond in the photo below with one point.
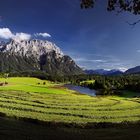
(82, 90)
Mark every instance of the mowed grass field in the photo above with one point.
(87, 82)
(30, 85)
(25, 98)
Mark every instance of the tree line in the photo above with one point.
(109, 84)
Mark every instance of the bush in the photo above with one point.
(6, 83)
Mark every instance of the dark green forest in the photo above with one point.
(105, 84)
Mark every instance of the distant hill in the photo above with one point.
(104, 72)
(134, 70)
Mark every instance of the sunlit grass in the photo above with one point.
(23, 98)
(68, 107)
(30, 85)
(87, 82)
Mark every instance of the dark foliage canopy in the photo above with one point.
(132, 6)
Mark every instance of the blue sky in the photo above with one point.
(94, 38)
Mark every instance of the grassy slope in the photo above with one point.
(30, 85)
(87, 82)
(62, 105)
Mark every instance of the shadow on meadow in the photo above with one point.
(28, 129)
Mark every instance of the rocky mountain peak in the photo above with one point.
(34, 48)
(36, 55)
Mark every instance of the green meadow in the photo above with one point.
(87, 82)
(46, 101)
(30, 85)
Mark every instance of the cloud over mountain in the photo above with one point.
(6, 33)
(43, 34)
(21, 36)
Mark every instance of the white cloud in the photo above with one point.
(80, 59)
(90, 60)
(5, 33)
(123, 69)
(98, 61)
(43, 34)
(138, 51)
(21, 36)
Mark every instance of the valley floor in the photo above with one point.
(34, 109)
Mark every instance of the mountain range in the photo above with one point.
(42, 55)
(36, 55)
(104, 72)
(135, 70)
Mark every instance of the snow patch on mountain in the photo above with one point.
(27, 48)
